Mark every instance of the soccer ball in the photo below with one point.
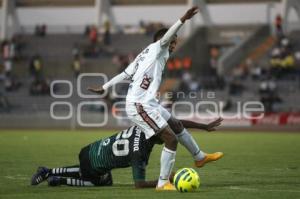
(186, 180)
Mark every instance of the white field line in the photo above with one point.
(17, 177)
(256, 190)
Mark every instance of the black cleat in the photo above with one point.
(41, 174)
(54, 181)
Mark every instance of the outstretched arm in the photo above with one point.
(100, 89)
(126, 74)
(167, 38)
(145, 184)
(208, 127)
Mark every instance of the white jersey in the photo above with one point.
(146, 74)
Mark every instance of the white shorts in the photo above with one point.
(151, 119)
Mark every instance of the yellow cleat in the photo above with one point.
(166, 187)
(209, 158)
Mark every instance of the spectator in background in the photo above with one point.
(37, 30)
(190, 83)
(5, 50)
(256, 72)
(268, 94)
(76, 66)
(87, 31)
(15, 48)
(282, 59)
(35, 67)
(218, 81)
(11, 83)
(12, 50)
(142, 26)
(75, 50)
(236, 87)
(107, 36)
(297, 58)
(40, 30)
(278, 26)
(39, 87)
(4, 104)
(7, 67)
(187, 63)
(43, 30)
(214, 55)
(93, 35)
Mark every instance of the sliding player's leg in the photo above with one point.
(103, 180)
(43, 173)
(99, 177)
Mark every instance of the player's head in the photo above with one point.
(160, 33)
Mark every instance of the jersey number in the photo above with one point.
(122, 142)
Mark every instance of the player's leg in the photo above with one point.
(43, 173)
(182, 134)
(87, 175)
(168, 154)
(102, 180)
(54, 181)
(187, 140)
(69, 171)
(152, 123)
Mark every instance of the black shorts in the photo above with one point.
(99, 177)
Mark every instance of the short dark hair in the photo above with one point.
(159, 34)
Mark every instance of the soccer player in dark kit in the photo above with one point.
(127, 148)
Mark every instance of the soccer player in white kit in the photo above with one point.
(142, 106)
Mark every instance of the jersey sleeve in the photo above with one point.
(167, 38)
(118, 78)
(130, 70)
(138, 168)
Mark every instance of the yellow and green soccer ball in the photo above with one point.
(186, 180)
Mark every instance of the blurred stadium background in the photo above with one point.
(233, 52)
(240, 50)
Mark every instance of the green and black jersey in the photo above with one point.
(127, 148)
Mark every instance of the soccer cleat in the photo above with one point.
(166, 187)
(41, 174)
(209, 158)
(54, 181)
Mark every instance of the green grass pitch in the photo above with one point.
(255, 165)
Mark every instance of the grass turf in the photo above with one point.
(255, 165)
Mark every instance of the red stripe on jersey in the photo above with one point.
(146, 117)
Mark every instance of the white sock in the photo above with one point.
(190, 144)
(167, 161)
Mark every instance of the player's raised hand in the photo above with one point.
(189, 14)
(98, 90)
(212, 126)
